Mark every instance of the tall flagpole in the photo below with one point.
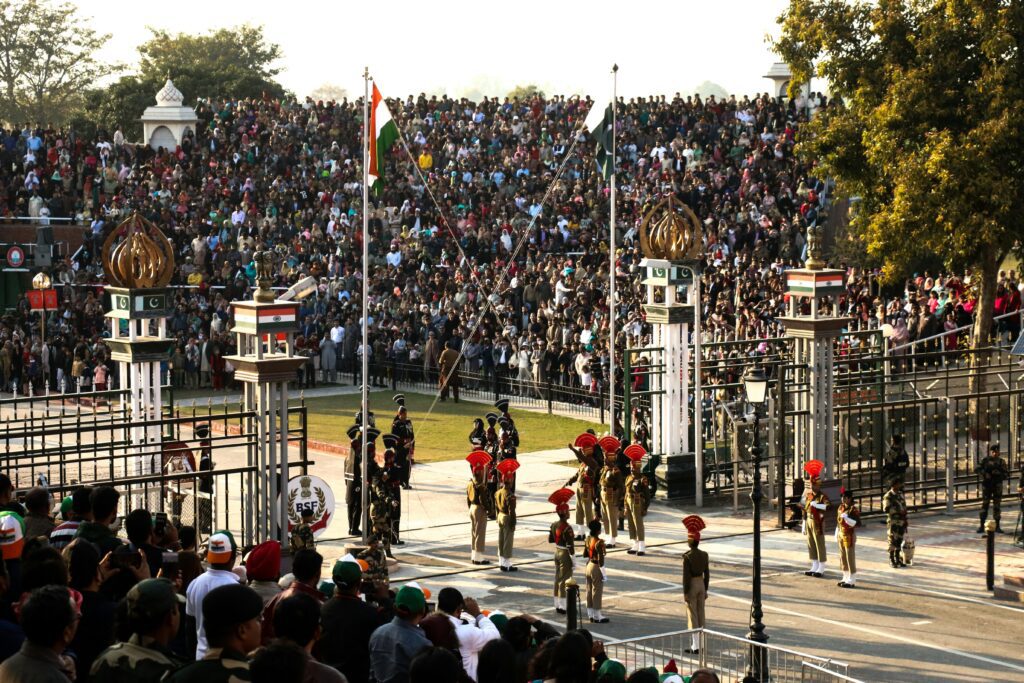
(365, 465)
(611, 272)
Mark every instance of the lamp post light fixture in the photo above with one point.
(755, 387)
(41, 281)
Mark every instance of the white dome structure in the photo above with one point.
(165, 124)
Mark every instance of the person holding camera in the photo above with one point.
(472, 628)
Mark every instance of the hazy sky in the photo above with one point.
(661, 46)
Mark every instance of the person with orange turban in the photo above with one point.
(505, 503)
(815, 504)
(561, 534)
(612, 485)
(696, 579)
(478, 499)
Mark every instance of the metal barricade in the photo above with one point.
(731, 657)
(812, 673)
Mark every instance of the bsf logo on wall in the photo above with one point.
(310, 493)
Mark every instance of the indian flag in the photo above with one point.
(263, 319)
(814, 282)
(383, 134)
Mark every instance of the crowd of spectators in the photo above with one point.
(88, 596)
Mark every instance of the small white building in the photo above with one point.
(165, 124)
(780, 74)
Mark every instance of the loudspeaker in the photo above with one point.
(44, 235)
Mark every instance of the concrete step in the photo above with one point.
(1011, 593)
(1010, 580)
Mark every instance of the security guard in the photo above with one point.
(502, 406)
(696, 579)
(505, 503)
(375, 574)
(637, 499)
(846, 534)
(479, 502)
(391, 479)
(561, 535)
(354, 476)
(302, 535)
(895, 508)
(815, 504)
(401, 427)
(993, 472)
(594, 550)
(586, 481)
(612, 485)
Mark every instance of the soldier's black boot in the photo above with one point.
(999, 529)
(981, 524)
(892, 560)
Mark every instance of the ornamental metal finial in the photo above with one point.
(671, 231)
(143, 259)
(263, 261)
(814, 260)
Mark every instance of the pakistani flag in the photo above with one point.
(383, 134)
(599, 123)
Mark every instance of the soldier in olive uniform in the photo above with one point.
(479, 502)
(302, 535)
(696, 579)
(405, 448)
(594, 550)
(815, 504)
(895, 508)
(391, 481)
(896, 461)
(638, 497)
(376, 573)
(586, 481)
(612, 486)
(562, 536)
(993, 472)
(354, 480)
(848, 519)
(154, 611)
(505, 503)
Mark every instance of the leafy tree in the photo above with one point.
(525, 93)
(930, 132)
(229, 62)
(47, 58)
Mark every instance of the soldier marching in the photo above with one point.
(586, 478)
(561, 535)
(594, 550)
(696, 579)
(637, 498)
(815, 504)
(612, 486)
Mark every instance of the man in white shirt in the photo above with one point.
(220, 555)
(394, 256)
(472, 628)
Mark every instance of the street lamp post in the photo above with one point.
(42, 282)
(755, 386)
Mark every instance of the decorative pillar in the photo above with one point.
(670, 237)
(139, 263)
(265, 363)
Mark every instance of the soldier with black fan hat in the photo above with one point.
(401, 427)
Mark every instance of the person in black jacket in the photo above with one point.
(347, 624)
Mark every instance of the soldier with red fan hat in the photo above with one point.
(562, 536)
(696, 579)
(846, 534)
(594, 550)
(505, 504)
(612, 486)
(586, 481)
(478, 499)
(637, 499)
(815, 504)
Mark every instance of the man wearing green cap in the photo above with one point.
(154, 613)
(611, 671)
(393, 645)
(348, 623)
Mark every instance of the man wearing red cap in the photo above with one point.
(638, 497)
(478, 500)
(612, 485)
(505, 502)
(585, 480)
(846, 534)
(562, 536)
(696, 579)
(815, 504)
(263, 569)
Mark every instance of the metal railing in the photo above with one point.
(731, 657)
(812, 673)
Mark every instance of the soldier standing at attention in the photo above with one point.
(846, 534)
(638, 497)
(696, 579)
(478, 499)
(585, 480)
(993, 472)
(561, 535)
(611, 489)
(895, 508)
(448, 363)
(302, 535)
(405, 449)
(815, 504)
(594, 551)
(505, 502)
(354, 480)
(391, 481)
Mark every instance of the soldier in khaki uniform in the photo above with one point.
(505, 502)
(595, 551)
(479, 501)
(846, 534)
(696, 579)
(612, 486)
(586, 481)
(815, 504)
(561, 535)
(638, 497)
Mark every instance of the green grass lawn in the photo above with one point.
(441, 435)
